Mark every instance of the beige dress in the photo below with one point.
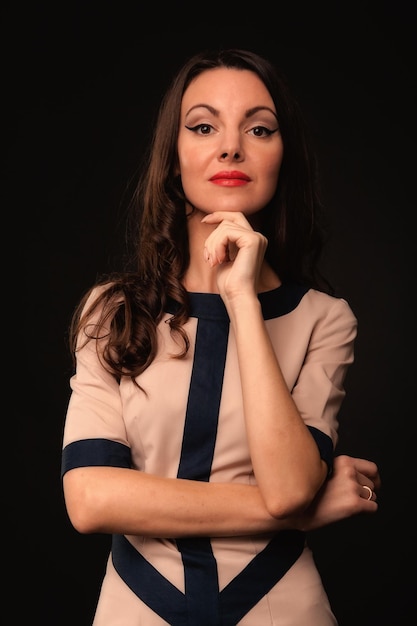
(190, 424)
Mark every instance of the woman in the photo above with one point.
(202, 423)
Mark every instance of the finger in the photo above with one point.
(369, 493)
(219, 248)
(219, 216)
(368, 469)
(223, 243)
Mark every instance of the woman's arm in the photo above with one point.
(117, 500)
(285, 457)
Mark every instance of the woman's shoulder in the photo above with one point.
(331, 313)
(305, 301)
(328, 301)
(114, 287)
(94, 297)
(101, 301)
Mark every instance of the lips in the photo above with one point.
(232, 178)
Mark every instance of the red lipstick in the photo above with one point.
(230, 178)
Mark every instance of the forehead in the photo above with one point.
(227, 87)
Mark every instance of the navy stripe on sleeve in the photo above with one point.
(95, 452)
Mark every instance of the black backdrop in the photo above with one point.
(81, 82)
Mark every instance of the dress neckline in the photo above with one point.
(275, 302)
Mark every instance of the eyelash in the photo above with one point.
(267, 132)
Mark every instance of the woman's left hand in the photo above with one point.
(236, 250)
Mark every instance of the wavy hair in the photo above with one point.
(127, 308)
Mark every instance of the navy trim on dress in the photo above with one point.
(260, 575)
(325, 446)
(275, 303)
(199, 440)
(95, 452)
(148, 583)
(233, 602)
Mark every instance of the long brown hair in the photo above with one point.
(130, 304)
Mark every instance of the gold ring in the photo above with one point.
(370, 491)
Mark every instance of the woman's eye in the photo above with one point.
(262, 131)
(201, 129)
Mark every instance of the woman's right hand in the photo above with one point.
(344, 494)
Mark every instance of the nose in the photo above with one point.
(231, 148)
(233, 156)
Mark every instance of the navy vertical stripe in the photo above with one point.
(204, 397)
(200, 568)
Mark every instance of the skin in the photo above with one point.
(233, 109)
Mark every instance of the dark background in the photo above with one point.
(81, 82)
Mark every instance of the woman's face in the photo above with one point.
(229, 146)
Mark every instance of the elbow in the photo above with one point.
(82, 506)
(282, 508)
(294, 495)
(282, 504)
(82, 519)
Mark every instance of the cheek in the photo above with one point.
(188, 174)
(188, 160)
(271, 171)
(187, 151)
(191, 170)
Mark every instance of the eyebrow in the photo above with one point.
(216, 113)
